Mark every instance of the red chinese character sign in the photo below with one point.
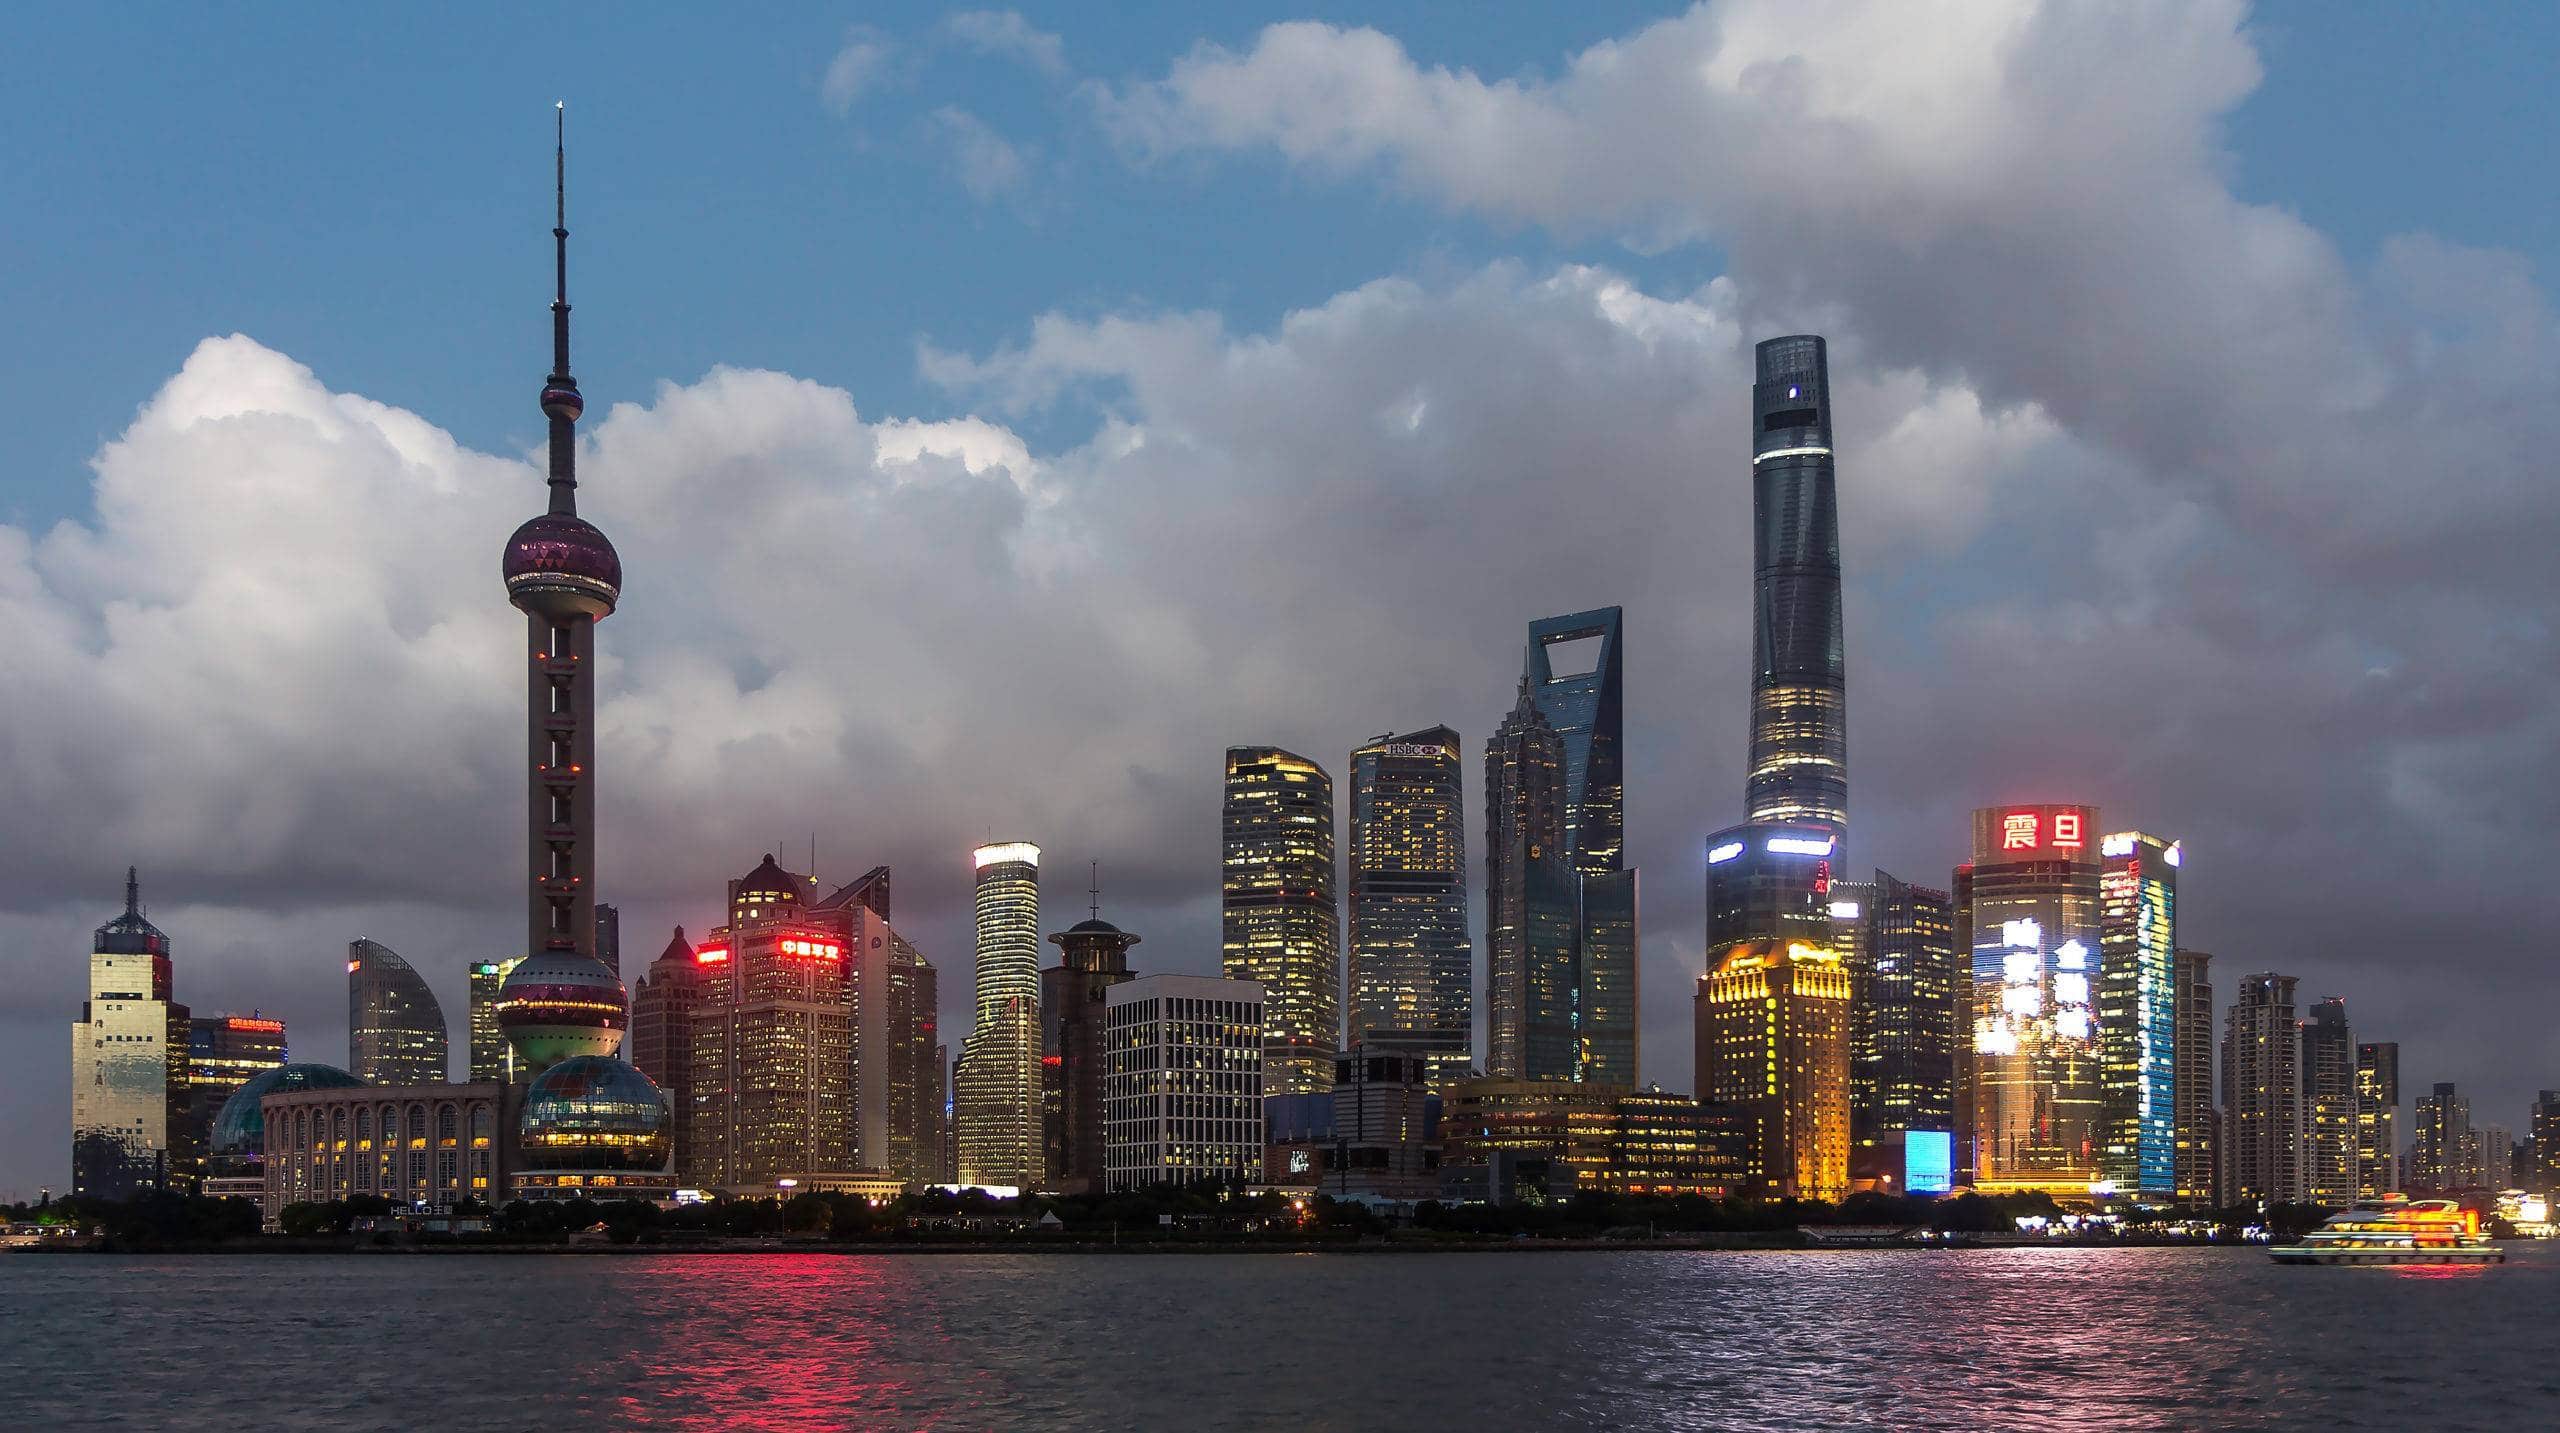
(2034, 833)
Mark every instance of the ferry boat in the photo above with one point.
(2395, 1231)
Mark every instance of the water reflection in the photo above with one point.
(2030, 1338)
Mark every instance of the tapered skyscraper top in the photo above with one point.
(1799, 693)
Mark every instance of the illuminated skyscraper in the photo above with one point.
(2197, 1123)
(2377, 1119)
(1898, 941)
(1769, 939)
(1412, 963)
(2264, 1114)
(1773, 1042)
(2440, 1142)
(2138, 1014)
(225, 1052)
(395, 1029)
(1093, 956)
(1575, 672)
(2328, 1106)
(2492, 1158)
(1281, 929)
(997, 1096)
(2030, 919)
(492, 1058)
(772, 1042)
(1799, 770)
(1532, 986)
(129, 1063)
(895, 992)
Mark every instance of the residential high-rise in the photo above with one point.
(1280, 926)
(1532, 986)
(1412, 961)
(2329, 1167)
(492, 1058)
(395, 1029)
(225, 1052)
(2377, 1119)
(2544, 1177)
(2440, 1143)
(2030, 920)
(2197, 1125)
(1093, 956)
(1574, 672)
(2492, 1158)
(1183, 1092)
(2263, 1109)
(773, 1037)
(1773, 1042)
(662, 1009)
(2138, 1014)
(996, 1095)
(1898, 942)
(1799, 769)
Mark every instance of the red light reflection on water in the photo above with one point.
(2439, 1271)
(783, 1341)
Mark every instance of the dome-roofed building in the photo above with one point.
(593, 1114)
(557, 1005)
(765, 892)
(239, 1131)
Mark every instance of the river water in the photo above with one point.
(2062, 1338)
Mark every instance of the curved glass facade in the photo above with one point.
(395, 1028)
(240, 1129)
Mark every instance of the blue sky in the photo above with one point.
(1262, 394)
(363, 189)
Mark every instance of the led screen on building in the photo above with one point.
(1928, 1161)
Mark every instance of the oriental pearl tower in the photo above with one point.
(560, 1001)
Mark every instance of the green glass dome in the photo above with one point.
(594, 1112)
(240, 1127)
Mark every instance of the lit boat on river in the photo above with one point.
(2395, 1231)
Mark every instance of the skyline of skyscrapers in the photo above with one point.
(1412, 966)
(1279, 924)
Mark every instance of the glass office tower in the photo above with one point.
(1532, 982)
(1574, 672)
(996, 1094)
(2031, 918)
(1280, 927)
(395, 1029)
(1799, 770)
(2137, 1013)
(1411, 958)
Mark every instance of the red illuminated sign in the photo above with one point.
(2066, 828)
(711, 955)
(2018, 831)
(243, 1022)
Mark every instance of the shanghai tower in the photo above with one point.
(1799, 697)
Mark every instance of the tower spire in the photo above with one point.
(560, 400)
(1093, 887)
(133, 890)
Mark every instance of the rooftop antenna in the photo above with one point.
(133, 890)
(1093, 887)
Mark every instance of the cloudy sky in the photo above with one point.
(999, 416)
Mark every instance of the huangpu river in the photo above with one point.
(2061, 1338)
